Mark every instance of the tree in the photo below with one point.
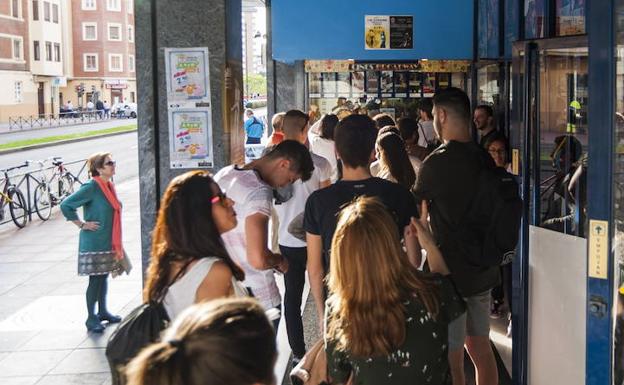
(255, 84)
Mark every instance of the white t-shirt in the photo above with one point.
(327, 149)
(251, 196)
(427, 127)
(295, 206)
(182, 293)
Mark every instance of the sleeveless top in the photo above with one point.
(182, 293)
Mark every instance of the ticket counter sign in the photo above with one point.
(383, 32)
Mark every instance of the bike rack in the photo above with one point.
(27, 177)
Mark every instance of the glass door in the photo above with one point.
(550, 134)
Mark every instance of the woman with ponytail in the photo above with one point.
(100, 249)
(222, 342)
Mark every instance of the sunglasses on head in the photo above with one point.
(110, 163)
(220, 197)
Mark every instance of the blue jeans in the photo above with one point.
(251, 140)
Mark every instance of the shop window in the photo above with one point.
(533, 19)
(48, 51)
(46, 11)
(57, 52)
(569, 17)
(35, 8)
(18, 92)
(36, 50)
(488, 90)
(55, 13)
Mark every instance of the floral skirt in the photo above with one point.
(102, 262)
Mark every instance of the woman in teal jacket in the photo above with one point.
(100, 251)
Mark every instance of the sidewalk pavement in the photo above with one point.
(10, 136)
(43, 339)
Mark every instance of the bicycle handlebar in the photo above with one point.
(15, 168)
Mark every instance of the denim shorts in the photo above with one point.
(475, 322)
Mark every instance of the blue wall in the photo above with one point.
(330, 29)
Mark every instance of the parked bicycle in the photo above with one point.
(14, 198)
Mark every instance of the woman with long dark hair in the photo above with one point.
(189, 262)
(394, 162)
(386, 321)
(324, 145)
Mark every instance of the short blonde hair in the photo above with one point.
(96, 161)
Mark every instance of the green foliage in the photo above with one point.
(257, 84)
(60, 138)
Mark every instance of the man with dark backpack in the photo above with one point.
(254, 128)
(474, 212)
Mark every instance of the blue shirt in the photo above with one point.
(254, 127)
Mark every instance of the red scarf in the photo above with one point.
(111, 196)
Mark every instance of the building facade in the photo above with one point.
(20, 93)
(103, 61)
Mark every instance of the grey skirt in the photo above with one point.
(102, 262)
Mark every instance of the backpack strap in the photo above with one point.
(423, 133)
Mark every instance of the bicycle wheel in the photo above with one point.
(43, 201)
(18, 208)
(66, 186)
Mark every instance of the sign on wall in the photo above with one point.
(388, 32)
(189, 110)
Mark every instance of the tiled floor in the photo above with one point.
(43, 339)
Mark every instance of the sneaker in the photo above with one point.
(496, 310)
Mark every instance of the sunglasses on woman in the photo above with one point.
(220, 197)
(110, 163)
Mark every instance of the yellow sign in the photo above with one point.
(515, 161)
(598, 249)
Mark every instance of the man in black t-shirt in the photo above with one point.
(354, 138)
(483, 119)
(447, 180)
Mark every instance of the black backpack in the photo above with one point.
(137, 330)
(494, 215)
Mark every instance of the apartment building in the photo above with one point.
(20, 93)
(102, 40)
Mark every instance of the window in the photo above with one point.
(35, 6)
(18, 91)
(115, 62)
(89, 31)
(36, 53)
(55, 13)
(57, 52)
(17, 49)
(90, 62)
(114, 31)
(15, 11)
(48, 51)
(131, 63)
(89, 5)
(46, 11)
(130, 6)
(113, 5)
(131, 33)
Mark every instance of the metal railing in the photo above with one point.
(65, 118)
(27, 181)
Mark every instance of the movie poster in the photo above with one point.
(372, 83)
(415, 84)
(344, 83)
(388, 32)
(400, 84)
(315, 84)
(387, 84)
(357, 83)
(188, 75)
(190, 138)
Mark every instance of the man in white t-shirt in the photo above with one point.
(290, 213)
(251, 188)
(426, 132)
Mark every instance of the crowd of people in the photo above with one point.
(367, 206)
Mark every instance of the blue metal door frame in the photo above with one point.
(600, 26)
